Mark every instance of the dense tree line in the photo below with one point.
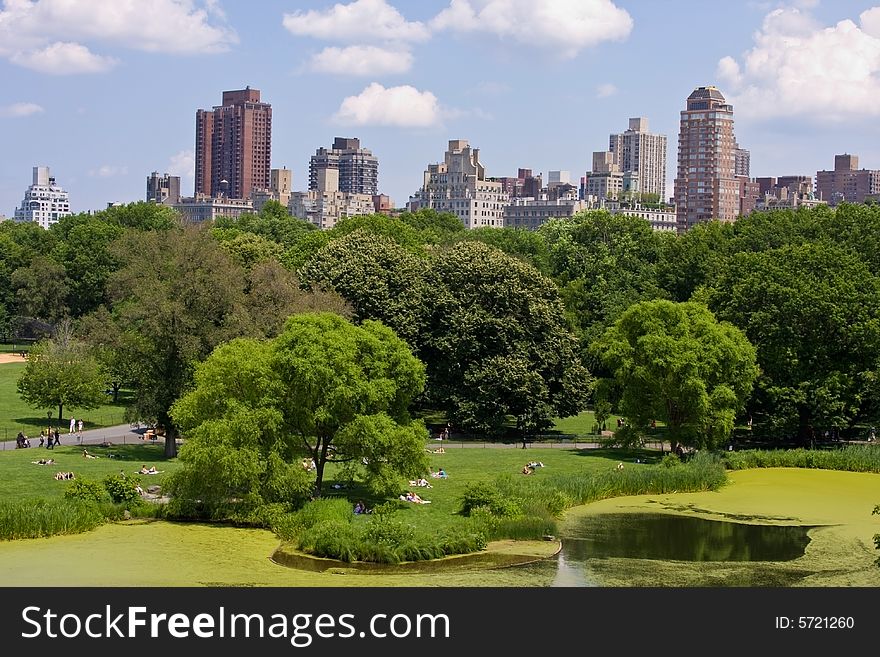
(514, 327)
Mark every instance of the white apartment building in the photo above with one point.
(44, 201)
(325, 208)
(326, 205)
(458, 185)
(642, 153)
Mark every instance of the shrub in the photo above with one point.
(39, 518)
(85, 490)
(123, 488)
(490, 497)
(670, 461)
(852, 458)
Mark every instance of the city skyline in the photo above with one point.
(104, 100)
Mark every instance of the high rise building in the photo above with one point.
(459, 185)
(847, 183)
(741, 161)
(233, 146)
(44, 202)
(358, 167)
(163, 189)
(706, 187)
(641, 152)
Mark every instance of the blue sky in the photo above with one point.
(106, 92)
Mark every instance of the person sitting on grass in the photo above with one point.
(63, 475)
(86, 455)
(527, 470)
(440, 474)
(360, 508)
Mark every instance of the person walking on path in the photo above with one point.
(72, 425)
(79, 431)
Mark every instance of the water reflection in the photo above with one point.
(672, 537)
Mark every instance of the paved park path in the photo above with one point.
(119, 435)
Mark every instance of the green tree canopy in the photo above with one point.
(177, 297)
(41, 290)
(236, 456)
(60, 372)
(813, 313)
(676, 363)
(603, 264)
(496, 342)
(336, 392)
(379, 277)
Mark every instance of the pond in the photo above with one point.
(670, 537)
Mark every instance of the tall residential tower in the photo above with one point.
(44, 202)
(706, 186)
(358, 167)
(233, 146)
(640, 152)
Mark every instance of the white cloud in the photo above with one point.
(403, 106)
(183, 164)
(18, 110)
(566, 25)
(108, 171)
(34, 31)
(797, 66)
(361, 60)
(359, 21)
(63, 59)
(605, 90)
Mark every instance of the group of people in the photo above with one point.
(531, 466)
(76, 425)
(149, 471)
(48, 438)
(439, 474)
(63, 475)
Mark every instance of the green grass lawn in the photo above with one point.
(473, 464)
(15, 415)
(22, 479)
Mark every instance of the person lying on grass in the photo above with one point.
(44, 462)
(148, 471)
(412, 497)
(421, 483)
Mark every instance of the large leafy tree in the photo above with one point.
(178, 296)
(237, 455)
(324, 387)
(813, 313)
(41, 290)
(61, 372)
(379, 277)
(496, 342)
(84, 252)
(693, 259)
(676, 363)
(273, 294)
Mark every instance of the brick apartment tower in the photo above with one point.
(233, 144)
(706, 187)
